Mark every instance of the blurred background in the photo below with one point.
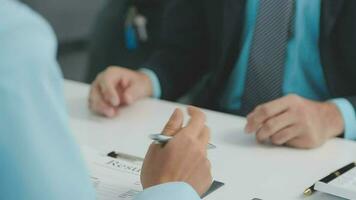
(73, 22)
(91, 33)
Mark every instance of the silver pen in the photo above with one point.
(162, 139)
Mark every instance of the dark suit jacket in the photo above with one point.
(202, 37)
(107, 43)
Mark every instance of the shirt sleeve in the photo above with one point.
(171, 191)
(39, 157)
(349, 117)
(157, 92)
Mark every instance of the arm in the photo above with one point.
(181, 58)
(39, 158)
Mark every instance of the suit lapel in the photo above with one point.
(232, 21)
(330, 9)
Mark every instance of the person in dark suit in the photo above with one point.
(287, 65)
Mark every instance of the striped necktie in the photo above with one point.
(265, 71)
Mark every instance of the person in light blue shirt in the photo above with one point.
(287, 66)
(39, 156)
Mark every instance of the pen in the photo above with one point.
(164, 139)
(309, 191)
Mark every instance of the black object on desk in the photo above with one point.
(309, 191)
(214, 186)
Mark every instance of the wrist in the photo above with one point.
(334, 123)
(147, 84)
(155, 83)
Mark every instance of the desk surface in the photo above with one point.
(250, 170)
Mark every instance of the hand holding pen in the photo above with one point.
(184, 157)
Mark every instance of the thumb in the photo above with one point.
(107, 89)
(132, 93)
(174, 123)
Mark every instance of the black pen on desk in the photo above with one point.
(164, 139)
(309, 191)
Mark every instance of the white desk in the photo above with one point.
(248, 169)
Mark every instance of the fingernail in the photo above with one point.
(114, 101)
(128, 99)
(110, 113)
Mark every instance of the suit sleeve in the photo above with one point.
(181, 58)
(171, 191)
(39, 157)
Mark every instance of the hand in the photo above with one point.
(115, 87)
(183, 158)
(296, 122)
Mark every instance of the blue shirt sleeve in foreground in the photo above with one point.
(171, 191)
(39, 156)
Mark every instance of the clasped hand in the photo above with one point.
(295, 121)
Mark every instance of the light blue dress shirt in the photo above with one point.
(303, 70)
(39, 156)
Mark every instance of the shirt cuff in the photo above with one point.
(171, 191)
(155, 82)
(349, 117)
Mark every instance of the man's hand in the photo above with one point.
(183, 158)
(296, 122)
(115, 87)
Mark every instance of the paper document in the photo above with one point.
(118, 178)
(113, 178)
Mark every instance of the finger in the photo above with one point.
(274, 125)
(174, 124)
(298, 142)
(99, 105)
(124, 82)
(120, 89)
(204, 139)
(108, 85)
(151, 152)
(104, 109)
(264, 112)
(132, 93)
(204, 136)
(196, 122)
(154, 147)
(284, 135)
